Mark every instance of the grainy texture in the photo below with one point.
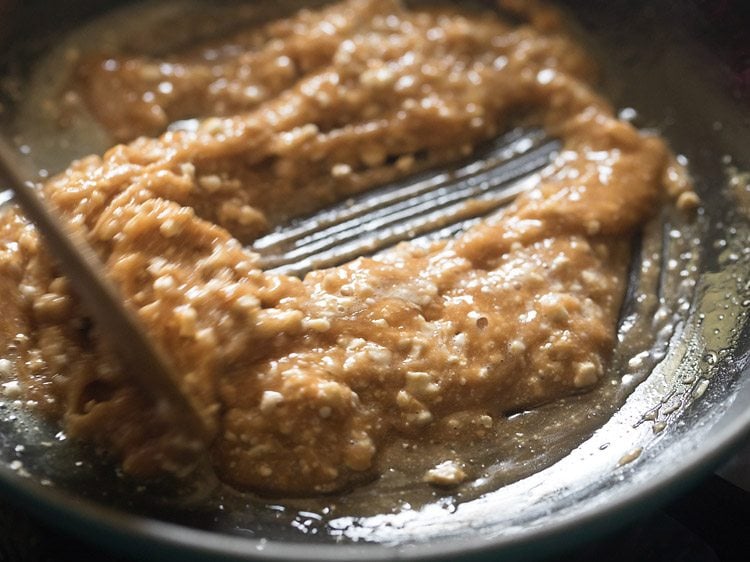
(306, 380)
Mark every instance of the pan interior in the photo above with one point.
(681, 358)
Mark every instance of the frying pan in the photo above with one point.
(678, 65)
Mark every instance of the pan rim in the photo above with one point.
(110, 527)
(96, 522)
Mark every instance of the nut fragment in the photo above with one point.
(447, 473)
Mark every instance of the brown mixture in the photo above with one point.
(305, 381)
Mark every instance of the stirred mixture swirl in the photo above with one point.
(305, 381)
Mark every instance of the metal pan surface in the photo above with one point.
(673, 65)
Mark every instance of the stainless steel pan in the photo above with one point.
(679, 65)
